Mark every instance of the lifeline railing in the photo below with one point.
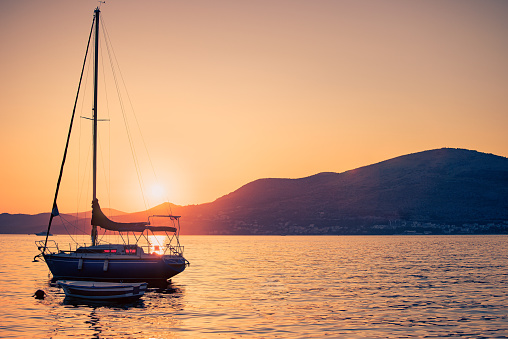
(52, 247)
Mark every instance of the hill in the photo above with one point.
(437, 191)
(443, 189)
(29, 224)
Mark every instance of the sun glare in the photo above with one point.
(157, 244)
(157, 193)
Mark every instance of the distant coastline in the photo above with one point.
(442, 191)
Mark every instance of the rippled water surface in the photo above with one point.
(286, 287)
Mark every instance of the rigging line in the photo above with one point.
(135, 116)
(110, 50)
(78, 178)
(75, 226)
(107, 176)
(108, 191)
(102, 237)
(121, 237)
(86, 173)
(143, 141)
(55, 208)
(85, 87)
(64, 221)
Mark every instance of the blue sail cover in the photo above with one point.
(99, 219)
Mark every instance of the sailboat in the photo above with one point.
(112, 262)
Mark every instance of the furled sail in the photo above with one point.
(99, 219)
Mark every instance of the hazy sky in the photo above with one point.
(227, 92)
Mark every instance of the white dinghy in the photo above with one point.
(94, 290)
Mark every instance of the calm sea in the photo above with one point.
(282, 287)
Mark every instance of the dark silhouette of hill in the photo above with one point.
(443, 186)
(29, 224)
(437, 191)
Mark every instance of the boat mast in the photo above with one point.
(95, 87)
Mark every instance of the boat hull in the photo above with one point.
(92, 290)
(153, 269)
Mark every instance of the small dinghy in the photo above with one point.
(94, 290)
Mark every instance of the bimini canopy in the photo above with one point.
(99, 219)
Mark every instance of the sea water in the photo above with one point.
(281, 287)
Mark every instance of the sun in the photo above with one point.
(157, 192)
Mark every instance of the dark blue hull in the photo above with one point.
(116, 268)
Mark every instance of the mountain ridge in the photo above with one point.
(437, 187)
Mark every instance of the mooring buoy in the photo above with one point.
(39, 294)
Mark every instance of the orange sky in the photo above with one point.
(227, 92)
